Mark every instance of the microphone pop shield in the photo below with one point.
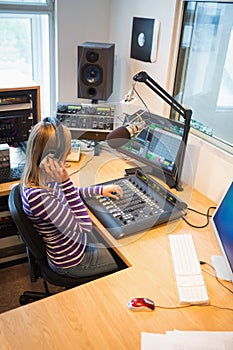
(118, 137)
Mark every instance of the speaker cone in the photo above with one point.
(91, 92)
(92, 74)
(92, 56)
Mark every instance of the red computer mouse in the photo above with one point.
(141, 304)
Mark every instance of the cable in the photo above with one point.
(140, 98)
(223, 285)
(215, 275)
(204, 305)
(81, 167)
(204, 214)
(209, 273)
(193, 305)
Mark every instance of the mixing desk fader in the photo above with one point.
(145, 204)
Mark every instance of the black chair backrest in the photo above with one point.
(24, 225)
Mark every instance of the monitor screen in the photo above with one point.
(159, 145)
(223, 228)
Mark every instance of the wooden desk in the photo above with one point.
(95, 315)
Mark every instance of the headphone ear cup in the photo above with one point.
(58, 151)
(49, 154)
(60, 143)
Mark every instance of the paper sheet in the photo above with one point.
(187, 340)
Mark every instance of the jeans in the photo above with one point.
(97, 260)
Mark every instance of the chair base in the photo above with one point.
(28, 297)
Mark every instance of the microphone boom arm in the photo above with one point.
(143, 77)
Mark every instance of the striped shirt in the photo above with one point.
(61, 218)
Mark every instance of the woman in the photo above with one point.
(56, 207)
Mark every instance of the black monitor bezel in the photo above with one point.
(169, 176)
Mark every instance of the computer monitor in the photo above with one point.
(159, 146)
(223, 228)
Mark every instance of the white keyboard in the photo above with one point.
(189, 279)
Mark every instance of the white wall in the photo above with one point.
(122, 13)
(111, 21)
(207, 168)
(77, 21)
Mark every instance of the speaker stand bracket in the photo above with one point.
(95, 102)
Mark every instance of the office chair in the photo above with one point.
(36, 252)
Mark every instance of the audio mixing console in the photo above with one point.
(145, 204)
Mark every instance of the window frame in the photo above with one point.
(47, 8)
(26, 7)
(221, 144)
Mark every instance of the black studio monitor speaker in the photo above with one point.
(95, 70)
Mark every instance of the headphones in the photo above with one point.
(60, 139)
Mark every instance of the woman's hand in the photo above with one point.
(113, 191)
(55, 170)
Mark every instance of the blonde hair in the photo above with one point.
(43, 140)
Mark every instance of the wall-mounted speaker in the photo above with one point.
(95, 70)
(145, 38)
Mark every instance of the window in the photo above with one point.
(26, 46)
(32, 2)
(204, 76)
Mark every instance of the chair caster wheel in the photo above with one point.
(23, 300)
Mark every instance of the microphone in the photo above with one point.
(123, 134)
(130, 96)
